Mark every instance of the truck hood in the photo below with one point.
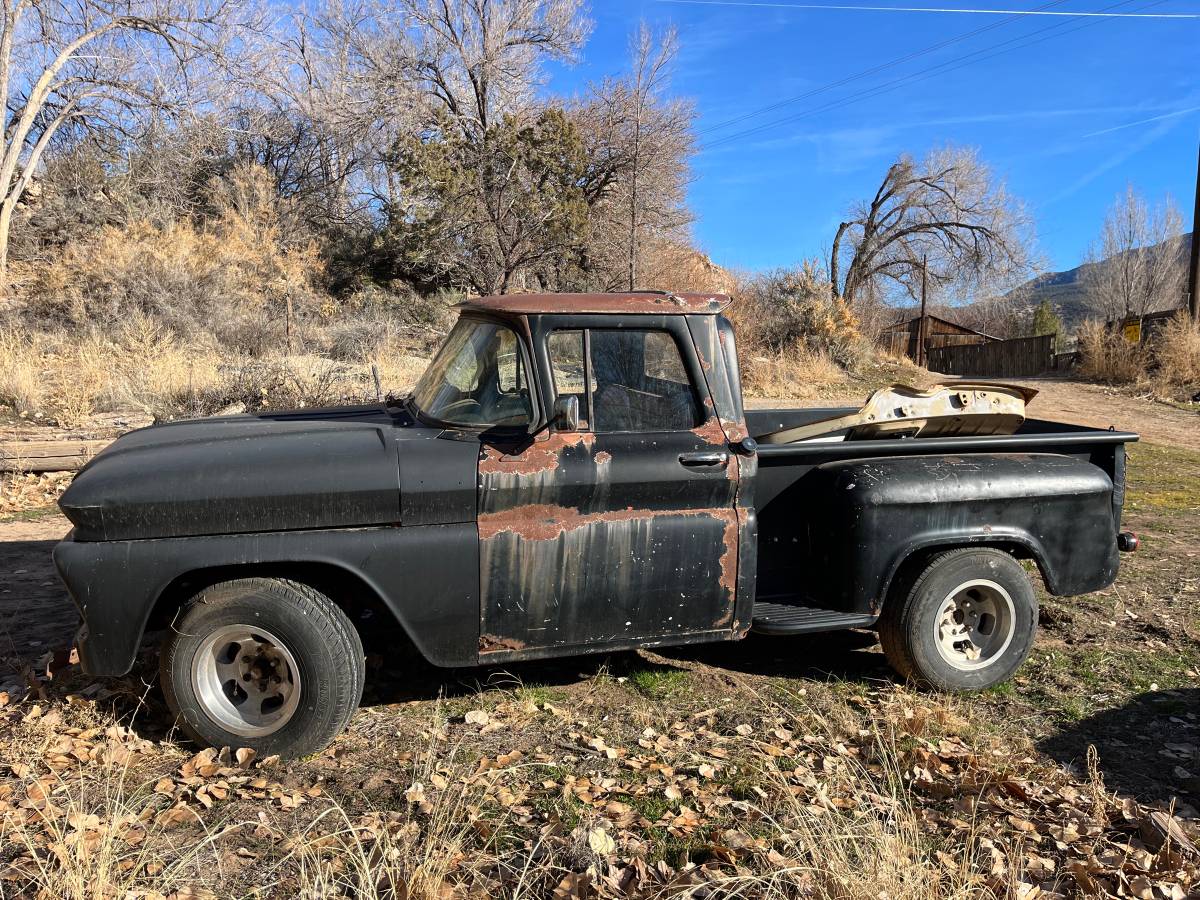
(319, 468)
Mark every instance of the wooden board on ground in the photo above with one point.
(47, 456)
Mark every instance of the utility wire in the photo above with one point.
(984, 53)
(939, 9)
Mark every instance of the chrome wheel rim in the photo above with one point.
(247, 680)
(974, 624)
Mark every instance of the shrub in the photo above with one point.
(1177, 352)
(788, 311)
(235, 275)
(1105, 355)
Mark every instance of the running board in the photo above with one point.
(786, 618)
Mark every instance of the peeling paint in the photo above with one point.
(540, 456)
(490, 643)
(711, 432)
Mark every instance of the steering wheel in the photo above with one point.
(460, 409)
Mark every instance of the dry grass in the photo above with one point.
(1108, 357)
(1177, 353)
(145, 366)
(798, 373)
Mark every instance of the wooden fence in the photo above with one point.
(1017, 358)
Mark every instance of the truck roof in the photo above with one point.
(643, 302)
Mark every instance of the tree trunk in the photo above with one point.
(833, 261)
(6, 214)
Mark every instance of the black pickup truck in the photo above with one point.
(572, 474)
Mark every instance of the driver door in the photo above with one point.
(620, 533)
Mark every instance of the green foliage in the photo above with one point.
(478, 209)
(1046, 320)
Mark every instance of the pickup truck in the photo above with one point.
(572, 474)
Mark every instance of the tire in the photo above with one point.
(935, 628)
(263, 663)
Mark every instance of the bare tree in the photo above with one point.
(949, 209)
(68, 67)
(467, 61)
(1137, 264)
(639, 140)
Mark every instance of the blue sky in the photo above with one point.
(1045, 99)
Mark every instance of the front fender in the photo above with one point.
(427, 576)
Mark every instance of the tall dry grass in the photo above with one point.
(1106, 355)
(143, 365)
(795, 373)
(1177, 352)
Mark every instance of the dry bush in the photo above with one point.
(786, 312)
(1177, 352)
(231, 276)
(1107, 356)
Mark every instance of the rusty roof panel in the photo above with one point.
(640, 302)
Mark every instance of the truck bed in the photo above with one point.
(795, 590)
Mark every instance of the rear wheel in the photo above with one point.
(263, 663)
(964, 622)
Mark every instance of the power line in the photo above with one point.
(938, 9)
(984, 53)
(907, 57)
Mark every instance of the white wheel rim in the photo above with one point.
(247, 680)
(974, 625)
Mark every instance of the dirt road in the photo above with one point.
(1065, 400)
(1100, 407)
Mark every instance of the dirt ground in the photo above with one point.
(1116, 671)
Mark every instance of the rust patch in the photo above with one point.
(603, 457)
(736, 431)
(540, 456)
(711, 432)
(655, 303)
(729, 559)
(491, 643)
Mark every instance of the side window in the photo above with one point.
(639, 382)
(568, 369)
(508, 363)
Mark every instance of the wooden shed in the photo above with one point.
(904, 338)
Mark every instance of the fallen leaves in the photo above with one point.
(590, 801)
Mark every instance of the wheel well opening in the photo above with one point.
(375, 623)
(916, 561)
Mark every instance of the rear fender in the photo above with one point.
(875, 514)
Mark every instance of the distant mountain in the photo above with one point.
(1067, 291)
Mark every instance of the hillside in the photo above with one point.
(1067, 291)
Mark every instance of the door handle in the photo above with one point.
(704, 459)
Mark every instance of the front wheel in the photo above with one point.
(966, 622)
(263, 663)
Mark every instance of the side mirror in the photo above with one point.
(565, 415)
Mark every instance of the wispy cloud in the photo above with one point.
(1170, 115)
(937, 9)
(1127, 150)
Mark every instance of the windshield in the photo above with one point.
(477, 378)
